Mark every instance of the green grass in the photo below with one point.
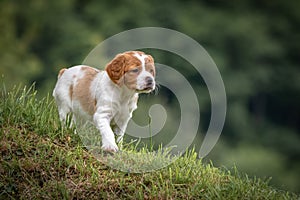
(40, 159)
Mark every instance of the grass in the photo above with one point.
(133, 156)
(40, 159)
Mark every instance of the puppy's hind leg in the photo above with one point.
(62, 94)
(65, 116)
(64, 108)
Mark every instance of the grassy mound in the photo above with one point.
(40, 159)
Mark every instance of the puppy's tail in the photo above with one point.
(61, 72)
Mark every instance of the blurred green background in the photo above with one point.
(254, 43)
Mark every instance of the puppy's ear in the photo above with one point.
(116, 68)
(150, 58)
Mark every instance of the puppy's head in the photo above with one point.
(135, 69)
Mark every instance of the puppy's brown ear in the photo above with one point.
(151, 60)
(116, 68)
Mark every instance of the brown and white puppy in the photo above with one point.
(106, 98)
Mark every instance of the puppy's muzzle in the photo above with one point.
(149, 83)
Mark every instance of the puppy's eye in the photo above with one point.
(135, 70)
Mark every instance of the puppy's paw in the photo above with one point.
(110, 147)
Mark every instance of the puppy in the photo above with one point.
(106, 98)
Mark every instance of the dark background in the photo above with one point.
(255, 45)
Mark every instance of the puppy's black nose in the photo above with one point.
(149, 80)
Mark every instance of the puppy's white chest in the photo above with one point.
(127, 106)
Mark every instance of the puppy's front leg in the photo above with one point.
(120, 129)
(102, 122)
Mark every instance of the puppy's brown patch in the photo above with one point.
(82, 90)
(71, 92)
(61, 72)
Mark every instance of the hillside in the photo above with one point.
(42, 160)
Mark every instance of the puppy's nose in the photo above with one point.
(149, 80)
